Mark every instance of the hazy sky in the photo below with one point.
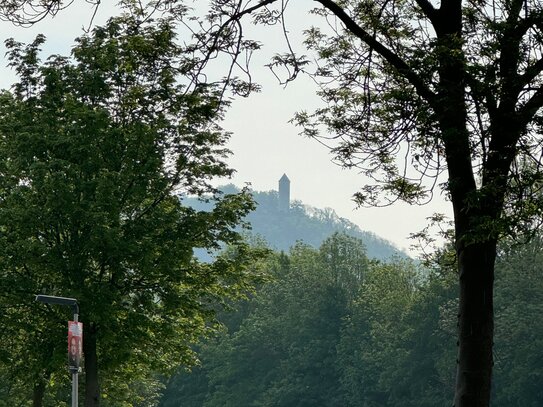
(264, 144)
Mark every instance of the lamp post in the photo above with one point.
(70, 302)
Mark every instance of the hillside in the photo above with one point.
(281, 228)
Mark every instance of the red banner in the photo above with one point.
(75, 344)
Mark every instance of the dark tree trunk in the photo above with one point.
(476, 325)
(476, 254)
(92, 385)
(38, 392)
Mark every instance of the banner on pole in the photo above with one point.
(75, 344)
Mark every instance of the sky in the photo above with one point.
(264, 144)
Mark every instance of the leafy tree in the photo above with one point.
(395, 346)
(94, 152)
(284, 351)
(452, 86)
(519, 347)
(187, 388)
(374, 335)
(276, 357)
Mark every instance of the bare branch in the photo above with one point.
(28, 12)
(249, 10)
(393, 59)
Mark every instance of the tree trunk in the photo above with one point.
(476, 324)
(38, 392)
(92, 385)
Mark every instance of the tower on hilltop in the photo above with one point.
(284, 193)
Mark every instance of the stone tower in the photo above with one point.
(284, 193)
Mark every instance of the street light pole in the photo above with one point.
(75, 371)
(71, 302)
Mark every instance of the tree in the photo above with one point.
(96, 151)
(376, 352)
(454, 88)
(283, 352)
(395, 345)
(28, 12)
(519, 322)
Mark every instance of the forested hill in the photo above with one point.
(282, 228)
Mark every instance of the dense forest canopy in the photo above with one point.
(281, 228)
(355, 333)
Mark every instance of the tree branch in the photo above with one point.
(255, 7)
(510, 56)
(531, 73)
(393, 59)
(429, 10)
(527, 112)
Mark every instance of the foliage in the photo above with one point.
(391, 345)
(94, 151)
(282, 229)
(284, 352)
(421, 95)
(519, 322)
